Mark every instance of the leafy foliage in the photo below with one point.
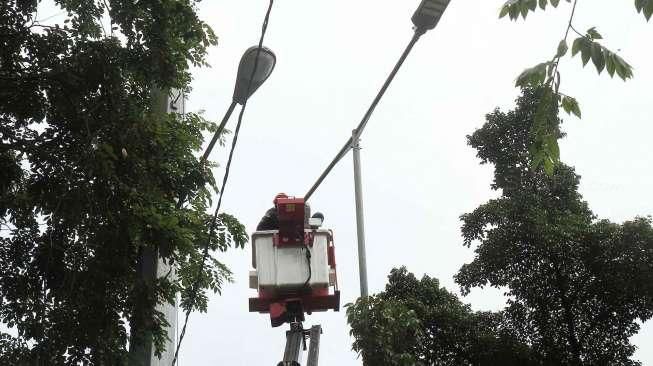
(92, 173)
(577, 286)
(417, 322)
(545, 149)
(516, 8)
(645, 7)
(12, 351)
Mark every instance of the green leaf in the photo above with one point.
(624, 70)
(585, 51)
(598, 57)
(543, 4)
(566, 105)
(576, 46)
(504, 11)
(645, 7)
(533, 76)
(553, 148)
(648, 10)
(593, 34)
(601, 57)
(620, 69)
(523, 9)
(570, 105)
(538, 159)
(555, 3)
(516, 8)
(575, 108)
(514, 12)
(531, 4)
(510, 7)
(549, 167)
(562, 48)
(609, 64)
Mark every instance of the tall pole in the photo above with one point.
(150, 267)
(140, 342)
(175, 103)
(360, 217)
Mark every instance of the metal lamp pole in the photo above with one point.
(426, 17)
(360, 222)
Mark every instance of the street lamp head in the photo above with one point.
(428, 14)
(246, 85)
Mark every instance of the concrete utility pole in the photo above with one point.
(175, 102)
(152, 266)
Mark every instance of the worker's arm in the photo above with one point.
(270, 221)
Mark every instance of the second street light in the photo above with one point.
(426, 17)
(255, 67)
(428, 14)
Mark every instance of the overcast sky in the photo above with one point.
(418, 173)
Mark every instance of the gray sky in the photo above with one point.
(418, 173)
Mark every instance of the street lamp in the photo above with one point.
(249, 80)
(426, 17)
(428, 13)
(255, 67)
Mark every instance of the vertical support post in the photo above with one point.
(314, 346)
(170, 312)
(175, 103)
(292, 355)
(151, 266)
(360, 222)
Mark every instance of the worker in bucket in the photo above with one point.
(270, 221)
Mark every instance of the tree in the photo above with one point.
(576, 285)
(546, 75)
(91, 177)
(417, 322)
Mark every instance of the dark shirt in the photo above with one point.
(269, 221)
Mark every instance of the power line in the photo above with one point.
(205, 254)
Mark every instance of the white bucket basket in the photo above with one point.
(286, 268)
